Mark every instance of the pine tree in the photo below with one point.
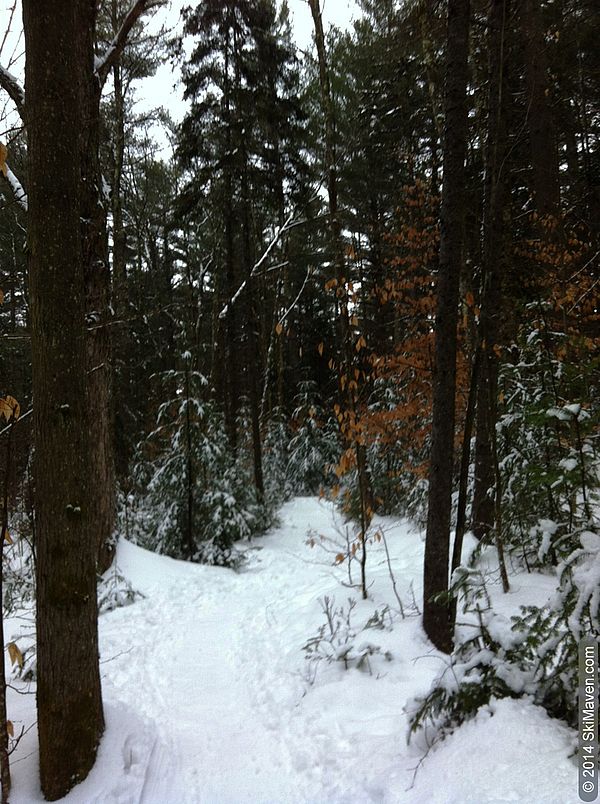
(235, 143)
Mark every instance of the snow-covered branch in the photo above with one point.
(16, 187)
(105, 63)
(276, 237)
(297, 299)
(12, 86)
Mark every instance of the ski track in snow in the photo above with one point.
(207, 699)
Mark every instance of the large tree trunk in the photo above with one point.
(70, 720)
(436, 615)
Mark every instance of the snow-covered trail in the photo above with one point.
(208, 700)
(197, 657)
(209, 662)
(191, 678)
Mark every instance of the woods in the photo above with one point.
(364, 267)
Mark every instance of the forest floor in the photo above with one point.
(209, 697)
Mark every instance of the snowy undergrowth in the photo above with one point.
(208, 699)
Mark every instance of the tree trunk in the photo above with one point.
(493, 261)
(120, 292)
(97, 301)
(540, 121)
(436, 615)
(70, 719)
(119, 235)
(5, 780)
(348, 395)
(230, 378)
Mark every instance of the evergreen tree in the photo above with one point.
(235, 145)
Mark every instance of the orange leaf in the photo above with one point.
(16, 657)
(3, 155)
(9, 408)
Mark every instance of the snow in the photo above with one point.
(568, 464)
(515, 754)
(209, 700)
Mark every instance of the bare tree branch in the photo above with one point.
(8, 27)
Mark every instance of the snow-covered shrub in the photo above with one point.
(18, 573)
(548, 462)
(278, 487)
(339, 640)
(314, 448)
(535, 654)
(485, 664)
(226, 514)
(547, 457)
(552, 633)
(194, 499)
(115, 591)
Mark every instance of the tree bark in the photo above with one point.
(437, 615)
(70, 719)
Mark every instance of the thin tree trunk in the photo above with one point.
(119, 237)
(465, 462)
(253, 358)
(97, 299)
(347, 392)
(540, 121)
(437, 615)
(493, 264)
(120, 291)
(230, 380)
(5, 781)
(70, 719)
(189, 541)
